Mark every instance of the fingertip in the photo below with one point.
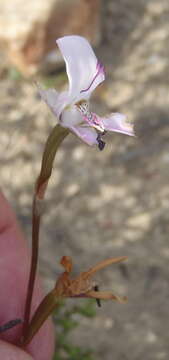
(7, 218)
(9, 351)
(43, 344)
(14, 270)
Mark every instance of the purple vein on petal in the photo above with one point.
(100, 68)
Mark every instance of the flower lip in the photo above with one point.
(89, 117)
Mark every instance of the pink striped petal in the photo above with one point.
(117, 122)
(83, 70)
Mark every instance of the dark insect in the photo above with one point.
(96, 288)
(101, 143)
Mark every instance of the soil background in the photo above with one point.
(109, 203)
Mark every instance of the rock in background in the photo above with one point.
(28, 30)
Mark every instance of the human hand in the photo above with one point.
(14, 271)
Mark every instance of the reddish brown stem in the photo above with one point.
(34, 263)
(53, 142)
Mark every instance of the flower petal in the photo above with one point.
(117, 122)
(87, 134)
(71, 117)
(105, 295)
(102, 264)
(83, 70)
(56, 101)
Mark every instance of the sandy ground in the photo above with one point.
(110, 203)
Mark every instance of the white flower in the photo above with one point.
(71, 107)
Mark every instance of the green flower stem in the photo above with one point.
(54, 141)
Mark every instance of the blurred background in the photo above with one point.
(98, 204)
